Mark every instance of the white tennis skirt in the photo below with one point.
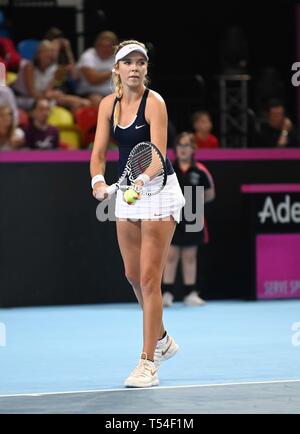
(168, 202)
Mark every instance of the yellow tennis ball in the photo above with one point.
(130, 196)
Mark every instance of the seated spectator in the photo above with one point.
(9, 55)
(38, 79)
(202, 126)
(95, 67)
(7, 98)
(67, 73)
(11, 137)
(39, 134)
(277, 130)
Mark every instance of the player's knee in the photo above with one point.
(150, 283)
(132, 278)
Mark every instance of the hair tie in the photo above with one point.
(118, 98)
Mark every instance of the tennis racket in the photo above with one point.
(144, 159)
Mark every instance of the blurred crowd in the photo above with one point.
(51, 98)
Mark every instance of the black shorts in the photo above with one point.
(182, 238)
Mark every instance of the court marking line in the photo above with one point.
(190, 386)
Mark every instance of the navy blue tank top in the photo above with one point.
(128, 137)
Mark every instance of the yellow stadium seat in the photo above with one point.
(11, 77)
(60, 117)
(71, 137)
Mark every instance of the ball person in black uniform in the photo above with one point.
(185, 244)
(134, 113)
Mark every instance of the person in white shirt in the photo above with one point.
(95, 68)
(38, 78)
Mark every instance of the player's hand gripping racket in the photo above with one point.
(146, 163)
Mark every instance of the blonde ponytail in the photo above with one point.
(119, 92)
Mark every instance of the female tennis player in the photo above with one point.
(133, 114)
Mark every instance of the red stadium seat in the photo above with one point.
(86, 120)
(23, 118)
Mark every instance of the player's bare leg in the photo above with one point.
(129, 238)
(156, 238)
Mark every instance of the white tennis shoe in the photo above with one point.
(193, 299)
(168, 298)
(165, 350)
(144, 375)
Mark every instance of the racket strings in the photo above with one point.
(147, 161)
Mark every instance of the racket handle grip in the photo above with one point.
(111, 189)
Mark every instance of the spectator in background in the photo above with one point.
(38, 79)
(11, 137)
(277, 130)
(202, 126)
(95, 66)
(7, 98)
(66, 74)
(185, 244)
(62, 46)
(39, 134)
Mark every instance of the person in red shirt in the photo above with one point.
(202, 125)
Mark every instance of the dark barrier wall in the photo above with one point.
(53, 250)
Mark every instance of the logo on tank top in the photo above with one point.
(194, 178)
(137, 127)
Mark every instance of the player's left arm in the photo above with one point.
(209, 195)
(209, 191)
(157, 116)
(208, 183)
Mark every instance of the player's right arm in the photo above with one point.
(102, 136)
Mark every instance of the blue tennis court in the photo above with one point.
(234, 356)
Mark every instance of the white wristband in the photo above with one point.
(97, 178)
(143, 177)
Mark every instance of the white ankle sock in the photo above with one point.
(162, 342)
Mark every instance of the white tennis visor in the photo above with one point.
(129, 49)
